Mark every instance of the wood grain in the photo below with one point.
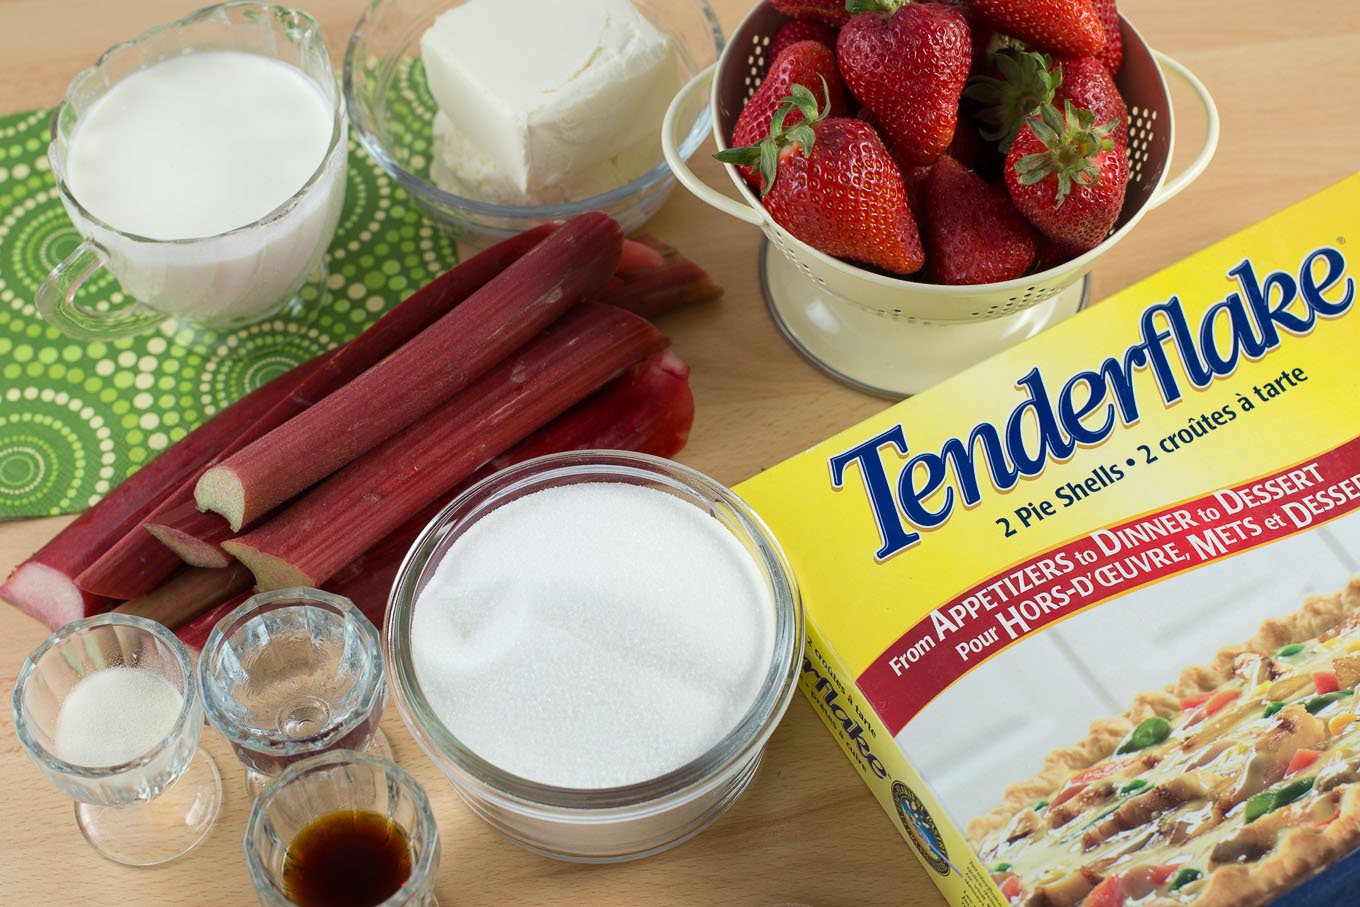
(807, 831)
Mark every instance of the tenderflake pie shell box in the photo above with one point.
(1082, 617)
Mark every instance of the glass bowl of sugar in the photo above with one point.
(595, 647)
(496, 117)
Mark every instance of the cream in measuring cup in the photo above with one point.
(204, 165)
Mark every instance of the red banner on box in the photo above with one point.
(964, 632)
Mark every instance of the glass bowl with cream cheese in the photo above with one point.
(496, 117)
(595, 647)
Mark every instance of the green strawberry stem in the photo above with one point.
(1005, 103)
(1072, 144)
(764, 155)
(855, 7)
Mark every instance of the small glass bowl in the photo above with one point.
(341, 781)
(392, 111)
(609, 824)
(157, 805)
(289, 674)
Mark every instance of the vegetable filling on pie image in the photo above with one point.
(1227, 788)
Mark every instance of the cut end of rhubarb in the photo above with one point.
(194, 552)
(49, 595)
(271, 572)
(219, 490)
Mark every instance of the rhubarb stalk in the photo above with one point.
(195, 633)
(568, 266)
(189, 593)
(659, 284)
(312, 538)
(137, 562)
(44, 586)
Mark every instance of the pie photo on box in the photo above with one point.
(1226, 789)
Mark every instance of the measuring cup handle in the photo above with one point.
(56, 300)
(1175, 184)
(670, 147)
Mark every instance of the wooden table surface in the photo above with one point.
(807, 831)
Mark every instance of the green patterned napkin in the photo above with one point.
(77, 418)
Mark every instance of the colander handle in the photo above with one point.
(1174, 185)
(670, 147)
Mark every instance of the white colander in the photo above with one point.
(896, 337)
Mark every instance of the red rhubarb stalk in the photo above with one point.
(640, 253)
(195, 633)
(189, 593)
(44, 586)
(136, 563)
(668, 282)
(312, 538)
(526, 297)
(648, 409)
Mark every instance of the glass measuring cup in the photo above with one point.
(220, 281)
(293, 673)
(160, 795)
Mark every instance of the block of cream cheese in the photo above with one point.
(460, 167)
(550, 92)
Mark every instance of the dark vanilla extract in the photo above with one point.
(348, 858)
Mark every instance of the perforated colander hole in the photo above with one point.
(896, 315)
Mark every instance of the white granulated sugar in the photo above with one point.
(113, 716)
(593, 635)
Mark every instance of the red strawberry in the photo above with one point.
(914, 176)
(1066, 177)
(806, 63)
(973, 234)
(832, 184)
(1024, 80)
(1061, 26)
(795, 30)
(830, 12)
(983, 36)
(1112, 54)
(908, 68)
(1088, 85)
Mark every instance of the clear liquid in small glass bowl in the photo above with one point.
(290, 674)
